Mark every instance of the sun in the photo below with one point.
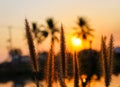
(76, 41)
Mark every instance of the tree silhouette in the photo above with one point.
(15, 52)
(85, 30)
(53, 29)
(39, 35)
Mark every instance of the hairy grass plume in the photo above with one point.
(50, 67)
(61, 64)
(63, 52)
(110, 55)
(102, 55)
(107, 56)
(105, 61)
(60, 74)
(34, 62)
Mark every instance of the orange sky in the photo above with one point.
(102, 15)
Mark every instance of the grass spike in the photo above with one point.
(50, 67)
(107, 56)
(61, 65)
(34, 62)
(63, 52)
(76, 71)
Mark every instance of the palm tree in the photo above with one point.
(85, 30)
(53, 29)
(39, 35)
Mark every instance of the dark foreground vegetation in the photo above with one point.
(20, 66)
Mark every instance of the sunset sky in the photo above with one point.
(102, 15)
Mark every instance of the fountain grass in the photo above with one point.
(33, 59)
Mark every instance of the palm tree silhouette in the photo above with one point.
(39, 35)
(85, 30)
(53, 29)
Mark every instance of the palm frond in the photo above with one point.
(56, 38)
(34, 26)
(44, 33)
(82, 22)
(56, 30)
(89, 29)
(89, 33)
(50, 23)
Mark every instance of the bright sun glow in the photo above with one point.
(76, 41)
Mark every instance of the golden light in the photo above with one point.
(84, 78)
(76, 41)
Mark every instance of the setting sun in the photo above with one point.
(76, 41)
